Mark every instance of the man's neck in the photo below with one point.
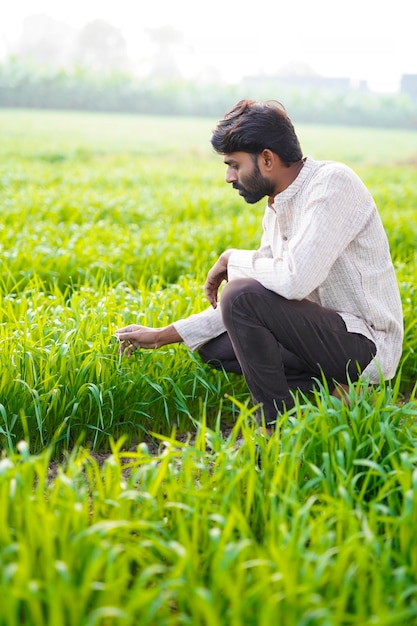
(288, 175)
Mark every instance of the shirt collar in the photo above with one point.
(291, 190)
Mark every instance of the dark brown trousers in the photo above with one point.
(281, 345)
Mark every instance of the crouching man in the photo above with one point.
(318, 298)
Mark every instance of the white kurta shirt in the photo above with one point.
(323, 240)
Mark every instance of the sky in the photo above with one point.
(372, 40)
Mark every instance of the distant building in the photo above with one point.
(302, 77)
(408, 85)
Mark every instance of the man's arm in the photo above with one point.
(216, 275)
(134, 336)
(197, 328)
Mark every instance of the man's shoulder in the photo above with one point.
(328, 169)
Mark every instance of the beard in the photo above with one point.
(255, 186)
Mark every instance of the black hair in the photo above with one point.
(252, 126)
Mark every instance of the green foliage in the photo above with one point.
(80, 88)
(108, 220)
(322, 533)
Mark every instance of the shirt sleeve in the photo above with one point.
(199, 328)
(335, 211)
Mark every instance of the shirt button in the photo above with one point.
(285, 238)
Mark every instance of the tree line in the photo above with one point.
(24, 85)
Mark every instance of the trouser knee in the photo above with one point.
(234, 289)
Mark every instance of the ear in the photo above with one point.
(267, 158)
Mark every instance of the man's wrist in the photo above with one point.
(167, 335)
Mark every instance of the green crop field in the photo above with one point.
(108, 220)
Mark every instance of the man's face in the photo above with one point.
(244, 174)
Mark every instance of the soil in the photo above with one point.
(153, 445)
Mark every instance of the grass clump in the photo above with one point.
(307, 527)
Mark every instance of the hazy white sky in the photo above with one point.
(373, 40)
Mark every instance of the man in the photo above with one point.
(319, 299)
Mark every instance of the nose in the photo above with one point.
(231, 176)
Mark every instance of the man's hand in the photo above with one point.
(134, 336)
(216, 276)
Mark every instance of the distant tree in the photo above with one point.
(46, 41)
(100, 46)
(168, 45)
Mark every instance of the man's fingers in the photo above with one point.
(127, 348)
(211, 295)
(211, 289)
(212, 298)
(120, 331)
(124, 336)
(128, 329)
(130, 350)
(127, 343)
